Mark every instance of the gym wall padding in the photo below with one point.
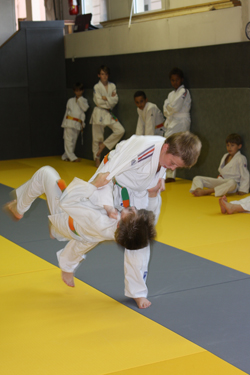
(32, 91)
(218, 79)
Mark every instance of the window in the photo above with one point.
(97, 8)
(142, 6)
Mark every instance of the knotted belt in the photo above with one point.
(159, 126)
(124, 191)
(62, 186)
(112, 115)
(73, 118)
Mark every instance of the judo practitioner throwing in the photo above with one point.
(139, 165)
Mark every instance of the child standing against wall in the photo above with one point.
(234, 175)
(150, 118)
(176, 109)
(105, 98)
(74, 122)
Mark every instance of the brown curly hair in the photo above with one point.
(136, 230)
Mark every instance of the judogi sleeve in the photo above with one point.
(73, 253)
(154, 204)
(140, 125)
(112, 100)
(244, 180)
(174, 105)
(97, 98)
(150, 122)
(83, 104)
(66, 113)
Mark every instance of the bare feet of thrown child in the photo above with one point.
(68, 278)
(142, 302)
(11, 209)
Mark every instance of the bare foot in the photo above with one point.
(222, 208)
(68, 278)
(201, 192)
(232, 208)
(101, 148)
(169, 180)
(142, 302)
(77, 160)
(11, 209)
(97, 162)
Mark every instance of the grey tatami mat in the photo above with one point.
(200, 300)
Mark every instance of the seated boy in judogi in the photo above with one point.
(150, 118)
(74, 122)
(233, 177)
(76, 219)
(105, 98)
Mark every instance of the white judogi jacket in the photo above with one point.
(101, 114)
(176, 109)
(148, 119)
(75, 108)
(134, 165)
(237, 170)
(91, 223)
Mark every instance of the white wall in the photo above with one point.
(202, 29)
(7, 19)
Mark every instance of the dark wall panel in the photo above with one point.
(15, 141)
(46, 113)
(31, 117)
(46, 65)
(215, 113)
(13, 62)
(218, 66)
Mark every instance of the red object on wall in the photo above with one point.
(73, 7)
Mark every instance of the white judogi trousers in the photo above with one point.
(111, 141)
(70, 136)
(220, 185)
(42, 182)
(244, 203)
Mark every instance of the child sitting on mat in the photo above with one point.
(233, 177)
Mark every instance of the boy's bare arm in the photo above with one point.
(100, 180)
(152, 193)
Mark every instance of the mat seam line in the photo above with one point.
(199, 287)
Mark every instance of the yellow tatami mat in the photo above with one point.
(49, 328)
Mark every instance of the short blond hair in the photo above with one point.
(186, 145)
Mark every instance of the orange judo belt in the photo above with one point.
(62, 186)
(159, 126)
(74, 118)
